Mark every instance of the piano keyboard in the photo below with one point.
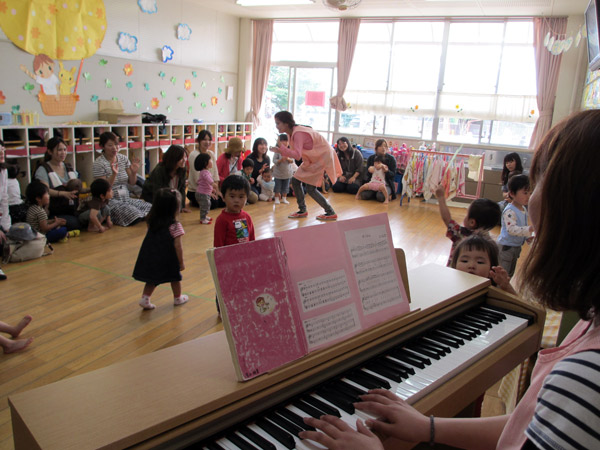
(410, 370)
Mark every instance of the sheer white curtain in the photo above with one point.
(547, 68)
(261, 65)
(348, 35)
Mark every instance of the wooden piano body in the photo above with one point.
(176, 396)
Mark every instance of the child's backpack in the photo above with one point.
(23, 244)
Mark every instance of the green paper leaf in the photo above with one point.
(222, 79)
(94, 98)
(173, 80)
(203, 84)
(115, 98)
(161, 74)
(220, 90)
(28, 87)
(146, 86)
(194, 74)
(203, 104)
(87, 76)
(16, 109)
(103, 62)
(196, 95)
(169, 108)
(179, 99)
(222, 110)
(163, 94)
(129, 84)
(190, 110)
(138, 105)
(108, 83)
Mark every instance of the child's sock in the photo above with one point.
(180, 300)
(145, 302)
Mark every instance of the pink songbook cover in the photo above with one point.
(306, 289)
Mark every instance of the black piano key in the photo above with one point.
(284, 423)
(305, 407)
(401, 368)
(349, 389)
(213, 446)
(241, 443)
(482, 316)
(368, 380)
(439, 349)
(410, 358)
(338, 399)
(460, 329)
(474, 322)
(452, 341)
(294, 418)
(465, 325)
(423, 350)
(384, 371)
(286, 439)
(431, 341)
(253, 436)
(316, 403)
(454, 332)
(496, 312)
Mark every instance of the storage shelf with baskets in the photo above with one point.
(26, 145)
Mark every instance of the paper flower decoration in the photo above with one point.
(531, 113)
(2, 98)
(128, 69)
(161, 74)
(129, 85)
(108, 83)
(214, 101)
(458, 108)
(127, 42)
(154, 103)
(94, 98)
(146, 86)
(414, 108)
(184, 32)
(103, 62)
(163, 94)
(173, 80)
(187, 84)
(167, 53)
(138, 105)
(87, 76)
(148, 6)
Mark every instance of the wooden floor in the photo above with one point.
(84, 301)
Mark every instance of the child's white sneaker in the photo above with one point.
(276, 201)
(284, 200)
(180, 300)
(145, 302)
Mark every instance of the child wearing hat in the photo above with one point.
(230, 161)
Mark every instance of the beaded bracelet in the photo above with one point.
(431, 431)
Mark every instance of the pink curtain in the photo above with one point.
(547, 67)
(261, 65)
(347, 37)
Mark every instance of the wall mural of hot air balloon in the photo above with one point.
(55, 30)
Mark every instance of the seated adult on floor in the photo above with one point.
(169, 173)
(381, 148)
(55, 173)
(230, 161)
(261, 161)
(352, 163)
(204, 140)
(119, 171)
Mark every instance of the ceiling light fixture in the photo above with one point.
(273, 2)
(341, 5)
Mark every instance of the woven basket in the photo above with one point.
(64, 106)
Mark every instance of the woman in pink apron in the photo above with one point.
(560, 410)
(318, 158)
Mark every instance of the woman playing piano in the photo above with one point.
(561, 407)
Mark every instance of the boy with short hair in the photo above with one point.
(96, 211)
(515, 230)
(234, 225)
(247, 169)
(483, 215)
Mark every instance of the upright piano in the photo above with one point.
(460, 337)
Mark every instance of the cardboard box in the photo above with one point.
(112, 111)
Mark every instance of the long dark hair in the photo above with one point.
(202, 135)
(518, 167)
(51, 145)
(257, 142)
(561, 269)
(3, 165)
(349, 149)
(286, 117)
(165, 207)
(171, 158)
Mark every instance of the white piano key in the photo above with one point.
(258, 430)
(348, 418)
(226, 443)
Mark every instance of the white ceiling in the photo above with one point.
(408, 8)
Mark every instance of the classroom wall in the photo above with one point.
(211, 52)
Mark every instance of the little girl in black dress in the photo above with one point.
(161, 256)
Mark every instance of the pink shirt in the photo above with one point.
(205, 182)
